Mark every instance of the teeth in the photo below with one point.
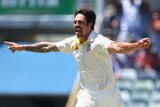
(78, 29)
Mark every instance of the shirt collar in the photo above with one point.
(91, 36)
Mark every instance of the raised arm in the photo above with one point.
(126, 47)
(41, 47)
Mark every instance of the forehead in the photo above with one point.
(80, 17)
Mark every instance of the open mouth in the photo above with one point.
(78, 29)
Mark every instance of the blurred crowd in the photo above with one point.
(131, 20)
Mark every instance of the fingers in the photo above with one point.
(144, 43)
(146, 38)
(9, 43)
(11, 47)
(147, 41)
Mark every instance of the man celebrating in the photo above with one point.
(92, 52)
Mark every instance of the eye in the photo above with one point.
(79, 22)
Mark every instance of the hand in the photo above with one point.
(13, 46)
(144, 43)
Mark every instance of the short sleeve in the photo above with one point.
(105, 42)
(65, 45)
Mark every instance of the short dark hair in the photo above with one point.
(89, 14)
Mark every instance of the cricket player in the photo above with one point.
(92, 52)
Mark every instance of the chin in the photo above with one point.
(78, 35)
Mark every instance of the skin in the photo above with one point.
(37, 47)
(82, 30)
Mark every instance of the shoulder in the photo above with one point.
(102, 39)
(67, 41)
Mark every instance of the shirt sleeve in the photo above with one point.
(105, 43)
(65, 45)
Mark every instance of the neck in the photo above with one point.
(84, 38)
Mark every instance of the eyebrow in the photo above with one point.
(80, 21)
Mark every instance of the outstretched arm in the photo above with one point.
(37, 47)
(126, 47)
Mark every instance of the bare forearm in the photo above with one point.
(37, 47)
(124, 47)
(40, 47)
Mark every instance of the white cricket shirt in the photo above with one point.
(93, 59)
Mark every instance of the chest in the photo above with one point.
(86, 51)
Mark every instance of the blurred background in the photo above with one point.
(30, 79)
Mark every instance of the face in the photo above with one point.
(156, 25)
(82, 29)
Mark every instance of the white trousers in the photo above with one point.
(100, 98)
